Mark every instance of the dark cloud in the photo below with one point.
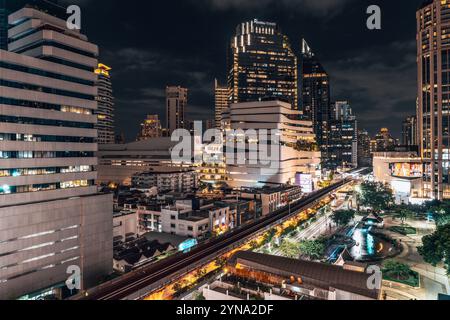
(151, 44)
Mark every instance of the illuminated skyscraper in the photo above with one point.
(433, 49)
(364, 155)
(409, 131)
(105, 111)
(262, 65)
(343, 141)
(221, 102)
(315, 86)
(176, 102)
(150, 128)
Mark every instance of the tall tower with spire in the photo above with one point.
(315, 95)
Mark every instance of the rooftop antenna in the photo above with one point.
(306, 50)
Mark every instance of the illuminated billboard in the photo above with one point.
(406, 169)
(305, 181)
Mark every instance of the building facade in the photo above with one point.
(173, 181)
(316, 104)
(383, 141)
(105, 110)
(51, 215)
(262, 65)
(176, 102)
(117, 163)
(297, 151)
(343, 137)
(364, 155)
(433, 117)
(409, 131)
(150, 128)
(221, 102)
(402, 171)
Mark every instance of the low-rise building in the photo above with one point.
(117, 163)
(402, 171)
(125, 225)
(272, 199)
(303, 278)
(185, 222)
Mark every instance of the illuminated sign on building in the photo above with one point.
(406, 170)
(304, 181)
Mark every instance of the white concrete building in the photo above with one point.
(125, 224)
(403, 172)
(51, 216)
(169, 180)
(297, 152)
(119, 162)
(184, 222)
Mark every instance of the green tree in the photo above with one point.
(343, 217)
(290, 249)
(376, 196)
(436, 247)
(403, 214)
(397, 270)
(312, 249)
(253, 244)
(220, 262)
(440, 211)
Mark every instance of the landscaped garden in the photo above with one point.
(404, 230)
(401, 273)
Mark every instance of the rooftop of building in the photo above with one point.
(152, 144)
(320, 274)
(425, 3)
(411, 155)
(122, 213)
(162, 237)
(268, 189)
(195, 215)
(163, 171)
(139, 249)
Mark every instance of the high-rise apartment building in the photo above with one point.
(176, 102)
(51, 215)
(316, 106)
(364, 155)
(150, 128)
(409, 131)
(383, 141)
(105, 110)
(262, 65)
(433, 118)
(221, 102)
(343, 137)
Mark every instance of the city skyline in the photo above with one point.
(112, 188)
(145, 63)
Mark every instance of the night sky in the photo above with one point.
(151, 44)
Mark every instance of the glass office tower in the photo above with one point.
(316, 106)
(262, 65)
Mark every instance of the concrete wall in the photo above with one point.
(33, 254)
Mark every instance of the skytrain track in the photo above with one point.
(142, 278)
